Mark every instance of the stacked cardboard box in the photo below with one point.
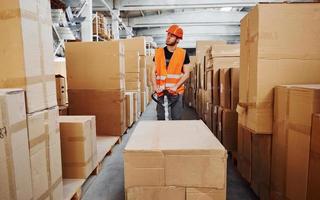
(171, 168)
(45, 152)
(130, 108)
(78, 146)
(225, 61)
(138, 44)
(294, 143)
(229, 97)
(268, 52)
(59, 65)
(96, 78)
(132, 71)
(27, 62)
(15, 170)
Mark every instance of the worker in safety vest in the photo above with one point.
(170, 71)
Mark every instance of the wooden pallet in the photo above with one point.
(72, 188)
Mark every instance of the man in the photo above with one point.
(170, 71)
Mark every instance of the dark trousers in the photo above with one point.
(175, 110)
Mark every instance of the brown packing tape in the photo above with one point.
(22, 81)
(51, 189)
(79, 164)
(300, 128)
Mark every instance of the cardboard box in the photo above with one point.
(135, 44)
(61, 90)
(129, 108)
(45, 153)
(60, 68)
(143, 104)
(205, 194)
(202, 47)
(143, 72)
(244, 153)
(136, 105)
(95, 65)
(150, 66)
(171, 161)
(219, 131)
(254, 160)
(15, 168)
(229, 88)
(314, 161)
(107, 105)
(156, 193)
(229, 129)
(225, 50)
(294, 106)
(215, 120)
(64, 110)
(269, 49)
(78, 146)
(132, 62)
(27, 52)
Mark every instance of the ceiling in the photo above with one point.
(200, 19)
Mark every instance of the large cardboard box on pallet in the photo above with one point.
(155, 160)
(294, 107)
(229, 129)
(269, 51)
(254, 160)
(129, 109)
(78, 146)
(45, 153)
(15, 171)
(26, 46)
(95, 65)
(314, 162)
(107, 105)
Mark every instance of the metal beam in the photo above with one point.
(203, 18)
(193, 31)
(191, 42)
(183, 4)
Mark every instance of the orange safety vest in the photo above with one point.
(169, 77)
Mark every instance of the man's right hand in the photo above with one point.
(157, 89)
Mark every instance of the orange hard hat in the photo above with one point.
(176, 30)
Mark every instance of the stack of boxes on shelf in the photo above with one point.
(30, 135)
(272, 56)
(96, 84)
(137, 46)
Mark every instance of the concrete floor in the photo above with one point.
(109, 184)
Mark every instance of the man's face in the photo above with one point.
(171, 39)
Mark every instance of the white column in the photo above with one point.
(86, 25)
(115, 24)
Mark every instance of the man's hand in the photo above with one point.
(173, 89)
(157, 89)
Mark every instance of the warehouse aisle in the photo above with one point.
(109, 184)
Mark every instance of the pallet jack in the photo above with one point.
(165, 104)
